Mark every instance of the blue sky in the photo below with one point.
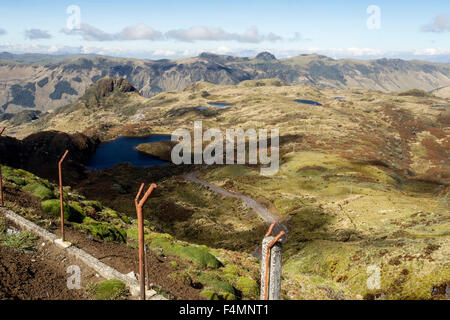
(175, 28)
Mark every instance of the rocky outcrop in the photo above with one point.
(17, 119)
(266, 56)
(106, 87)
(39, 153)
(161, 150)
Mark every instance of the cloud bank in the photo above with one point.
(430, 54)
(91, 33)
(198, 33)
(439, 24)
(34, 34)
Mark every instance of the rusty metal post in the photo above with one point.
(139, 204)
(1, 177)
(271, 265)
(61, 194)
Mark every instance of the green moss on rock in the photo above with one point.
(198, 255)
(248, 287)
(40, 191)
(223, 288)
(209, 295)
(181, 276)
(17, 181)
(71, 214)
(109, 290)
(104, 231)
(94, 204)
(125, 219)
(110, 213)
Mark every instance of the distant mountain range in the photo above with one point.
(45, 82)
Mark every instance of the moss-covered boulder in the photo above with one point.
(160, 149)
(198, 255)
(104, 231)
(209, 294)
(9, 174)
(17, 181)
(125, 219)
(71, 214)
(94, 204)
(40, 191)
(109, 290)
(224, 290)
(248, 287)
(76, 206)
(182, 276)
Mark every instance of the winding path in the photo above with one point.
(262, 212)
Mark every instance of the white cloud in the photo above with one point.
(34, 34)
(139, 32)
(91, 33)
(197, 33)
(439, 24)
(297, 37)
(164, 53)
(88, 33)
(432, 52)
(200, 33)
(223, 50)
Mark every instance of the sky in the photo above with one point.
(157, 29)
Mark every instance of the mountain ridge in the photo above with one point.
(46, 82)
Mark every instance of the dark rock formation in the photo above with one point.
(39, 153)
(267, 56)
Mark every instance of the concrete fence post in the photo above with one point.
(273, 264)
(1, 178)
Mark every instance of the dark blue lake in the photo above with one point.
(314, 103)
(202, 108)
(440, 106)
(123, 150)
(219, 105)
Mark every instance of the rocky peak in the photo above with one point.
(208, 56)
(107, 86)
(267, 56)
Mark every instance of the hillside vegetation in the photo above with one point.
(363, 181)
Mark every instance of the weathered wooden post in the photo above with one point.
(1, 177)
(271, 266)
(139, 204)
(61, 194)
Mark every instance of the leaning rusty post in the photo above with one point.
(61, 195)
(139, 204)
(1, 178)
(266, 273)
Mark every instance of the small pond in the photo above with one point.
(440, 106)
(314, 103)
(219, 105)
(123, 150)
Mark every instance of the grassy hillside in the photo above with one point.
(363, 181)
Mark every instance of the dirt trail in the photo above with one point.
(262, 212)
